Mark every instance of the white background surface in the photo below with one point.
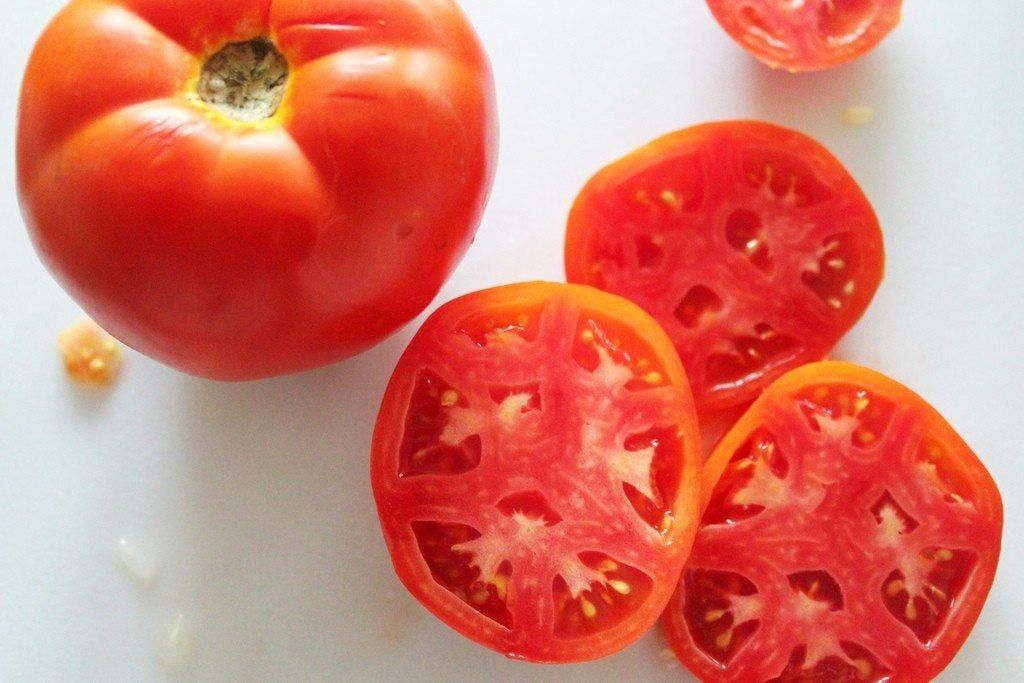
(255, 498)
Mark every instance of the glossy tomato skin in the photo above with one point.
(535, 466)
(749, 242)
(238, 251)
(848, 531)
(807, 36)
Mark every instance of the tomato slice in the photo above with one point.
(535, 467)
(849, 534)
(749, 243)
(807, 35)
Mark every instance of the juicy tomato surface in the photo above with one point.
(535, 467)
(849, 535)
(232, 238)
(749, 243)
(807, 35)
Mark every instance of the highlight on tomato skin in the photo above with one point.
(246, 188)
(848, 533)
(535, 467)
(748, 242)
(808, 35)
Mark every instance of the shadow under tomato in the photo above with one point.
(280, 537)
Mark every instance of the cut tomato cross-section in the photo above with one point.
(535, 467)
(807, 35)
(849, 534)
(749, 243)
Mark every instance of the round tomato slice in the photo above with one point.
(849, 534)
(535, 470)
(807, 35)
(247, 188)
(749, 243)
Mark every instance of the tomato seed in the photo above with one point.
(860, 404)
(671, 199)
(864, 436)
(723, 640)
(714, 615)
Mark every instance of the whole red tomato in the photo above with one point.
(247, 188)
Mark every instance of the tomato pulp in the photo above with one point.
(535, 470)
(849, 534)
(245, 188)
(807, 35)
(749, 243)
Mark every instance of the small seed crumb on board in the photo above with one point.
(136, 562)
(91, 356)
(858, 115)
(176, 649)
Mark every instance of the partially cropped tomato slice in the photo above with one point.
(749, 243)
(535, 470)
(807, 35)
(849, 535)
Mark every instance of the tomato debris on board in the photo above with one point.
(249, 188)
(91, 356)
(535, 467)
(807, 35)
(849, 534)
(749, 243)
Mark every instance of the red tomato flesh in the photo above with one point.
(807, 35)
(749, 243)
(849, 534)
(535, 470)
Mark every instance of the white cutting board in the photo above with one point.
(254, 499)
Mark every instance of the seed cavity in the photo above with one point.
(699, 304)
(745, 233)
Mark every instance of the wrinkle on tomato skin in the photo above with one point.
(425, 216)
(863, 574)
(202, 27)
(310, 29)
(85, 39)
(515, 468)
